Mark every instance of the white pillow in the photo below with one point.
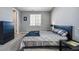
(60, 32)
(64, 34)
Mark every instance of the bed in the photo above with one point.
(46, 38)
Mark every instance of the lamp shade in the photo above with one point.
(53, 23)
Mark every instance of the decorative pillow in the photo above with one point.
(65, 34)
(60, 32)
(56, 30)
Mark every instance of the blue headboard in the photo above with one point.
(69, 29)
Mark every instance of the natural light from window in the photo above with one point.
(35, 20)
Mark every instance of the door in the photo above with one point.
(14, 16)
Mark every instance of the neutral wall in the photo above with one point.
(67, 16)
(20, 21)
(25, 25)
(5, 14)
(20, 26)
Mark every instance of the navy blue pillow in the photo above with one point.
(33, 33)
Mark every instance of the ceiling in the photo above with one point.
(35, 8)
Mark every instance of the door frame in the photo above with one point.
(16, 20)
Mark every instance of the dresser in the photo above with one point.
(6, 32)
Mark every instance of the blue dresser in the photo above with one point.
(6, 32)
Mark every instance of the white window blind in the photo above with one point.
(35, 20)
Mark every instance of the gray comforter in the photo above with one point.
(46, 38)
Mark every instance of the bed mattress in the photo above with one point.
(46, 38)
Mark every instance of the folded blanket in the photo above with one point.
(33, 33)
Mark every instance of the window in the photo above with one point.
(35, 20)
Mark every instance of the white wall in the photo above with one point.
(5, 14)
(67, 16)
(25, 25)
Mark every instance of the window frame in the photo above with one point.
(36, 23)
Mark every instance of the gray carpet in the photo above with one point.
(41, 49)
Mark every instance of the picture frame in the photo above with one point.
(25, 18)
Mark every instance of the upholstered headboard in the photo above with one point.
(69, 29)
